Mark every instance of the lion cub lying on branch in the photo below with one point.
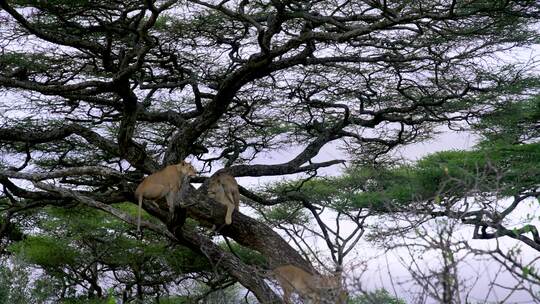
(315, 288)
(166, 183)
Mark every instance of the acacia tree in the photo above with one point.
(98, 93)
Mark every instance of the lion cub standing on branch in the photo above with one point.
(223, 188)
(318, 289)
(164, 183)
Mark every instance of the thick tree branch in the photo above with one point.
(78, 171)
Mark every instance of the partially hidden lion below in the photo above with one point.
(315, 288)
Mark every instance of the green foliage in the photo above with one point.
(18, 287)
(278, 128)
(379, 296)
(45, 288)
(290, 213)
(508, 169)
(512, 122)
(133, 210)
(527, 271)
(20, 59)
(209, 24)
(12, 231)
(230, 294)
(83, 300)
(81, 219)
(45, 251)
(381, 186)
(86, 238)
(182, 260)
(13, 284)
(23, 66)
(505, 168)
(163, 22)
(248, 256)
(176, 300)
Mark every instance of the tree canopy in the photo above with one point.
(96, 94)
